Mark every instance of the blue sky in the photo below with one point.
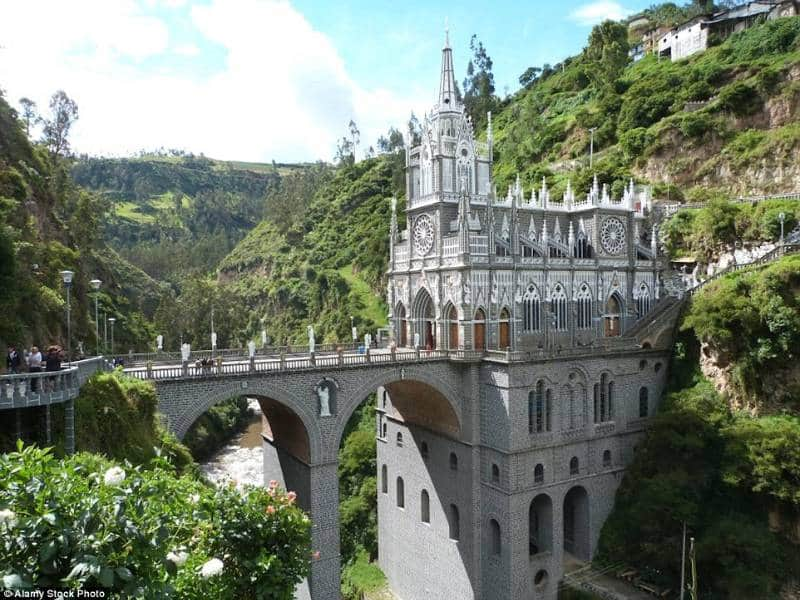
(266, 79)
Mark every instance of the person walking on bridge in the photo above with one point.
(13, 360)
(35, 366)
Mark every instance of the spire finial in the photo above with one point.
(447, 83)
(446, 33)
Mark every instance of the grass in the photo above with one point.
(130, 211)
(364, 576)
(374, 306)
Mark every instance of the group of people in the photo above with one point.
(33, 361)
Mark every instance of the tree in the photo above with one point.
(414, 130)
(63, 113)
(530, 76)
(391, 142)
(355, 137)
(29, 114)
(479, 88)
(607, 53)
(345, 155)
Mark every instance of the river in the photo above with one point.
(241, 460)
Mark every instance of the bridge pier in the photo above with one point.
(69, 426)
(324, 581)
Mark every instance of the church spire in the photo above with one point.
(447, 84)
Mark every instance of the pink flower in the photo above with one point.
(315, 555)
(291, 497)
(270, 510)
(273, 484)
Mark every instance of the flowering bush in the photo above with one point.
(84, 521)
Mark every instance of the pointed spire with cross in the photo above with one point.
(447, 82)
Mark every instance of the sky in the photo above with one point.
(263, 80)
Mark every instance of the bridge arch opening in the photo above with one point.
(576, 523)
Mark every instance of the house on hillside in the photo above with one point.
(694, 35)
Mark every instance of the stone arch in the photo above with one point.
(401, 324)
(271, 396)
(504, 329)
(577, 522)
(423, 315)
(404, 384)
(540, 524)
(479, 329)
(612, 317)
(451, 321)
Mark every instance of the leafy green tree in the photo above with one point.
(529, 77)
(63, 114)
(607, 53)
(391, 142)
(29, 114)
(479, 96)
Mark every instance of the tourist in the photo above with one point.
(35, 366)
(13, 360)
(53, 359)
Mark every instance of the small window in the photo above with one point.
(383, 400)
(423, 450)
(453, 523)
(644, 407)
(496, 538)
(399, 439)
(453, 462)
(574, 467)
(607, 458)
(425, 507)
(495, 474)
(384, 480)
(540, 579)
(384, 431)
(642, 365)
(401, 493)
(538, 474)
(657, 367)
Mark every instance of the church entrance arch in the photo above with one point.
(424, 319)
(479, 330)
(576, 523)
(451, 316)
(505, 330)
(402, 324)
(612, 316)
(540, 525)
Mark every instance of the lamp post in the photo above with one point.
(112, 320)
(105, 332)
(353, 330)
(95, 283)
(782, 218)
(591, 146)
(66, 277)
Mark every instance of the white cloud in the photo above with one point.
(596, 12)
(283, 92)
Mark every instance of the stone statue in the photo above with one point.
(251, 348)
(311, 341)
(467, 293)
(324, 395)
(186, 350)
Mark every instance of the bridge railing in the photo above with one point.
(38, 389)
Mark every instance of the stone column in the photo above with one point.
(325, 571)
(69, 426)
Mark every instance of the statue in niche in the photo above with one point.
(324, 395)
(311, 341)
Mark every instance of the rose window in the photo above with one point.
(612, 235)
(423, 235)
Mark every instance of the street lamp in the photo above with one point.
(782, 218)
(66, 277)
(112, 320)
(95, 283)
(353, 329)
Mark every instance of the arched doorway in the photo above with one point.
(612, 316)
(504, 340)
(540, 525)
(451, 315)
(576, 523)
(479, 330)
(402, 325)
(424, 323)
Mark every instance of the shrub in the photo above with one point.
(696, 124)
(740, 98)
(85, 521)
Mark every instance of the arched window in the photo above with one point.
(607, 458)
(424, 507)
(384, 431)
(423, 450)
(399, 439)
(596, 402)
(531, 310)
(582, 247)
(604, 400)
(384, 480)
(401, 493)
(610, 400)
(504, 330)
(479, 330)
(494, 526)
(453, 462)
(571, 408)
(539, 406)
(644, 408)
(453, 523)
(495, 474)
(538, 473)
(584, 306)
(558, 301)
(402, 325)
(643, 300)
(574, 467)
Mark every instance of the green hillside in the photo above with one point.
(745, 140)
